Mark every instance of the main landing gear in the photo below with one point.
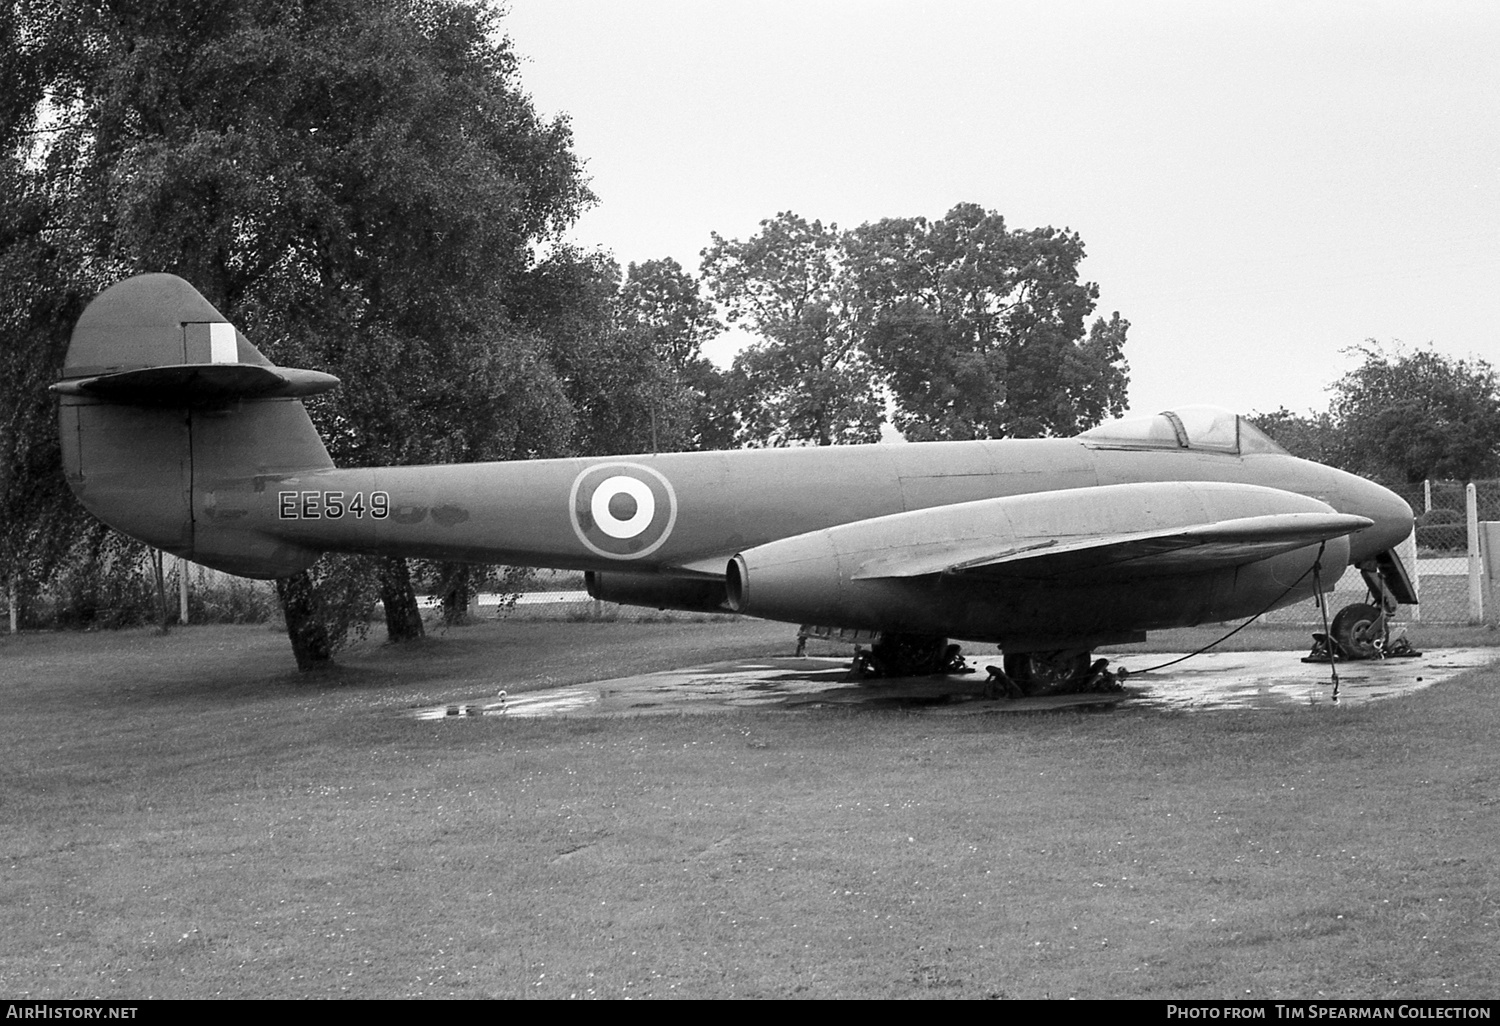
(908, 655)
(1060, 672)
(1025, 674)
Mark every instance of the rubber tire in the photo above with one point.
(909, 655)
(1350, 628)
(1048, 673)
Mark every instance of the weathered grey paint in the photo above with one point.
(246, 486)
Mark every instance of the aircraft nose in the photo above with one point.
(1392, 516)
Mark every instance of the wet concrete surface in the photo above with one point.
(1212, 681)
(1266, 680)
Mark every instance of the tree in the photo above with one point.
(610, 353)
(1410, 415)
(625, 398)
(356, 185)
(662, 302)
(39, 518)
(662, 309)
(978, 330)
(324, 605)
(808, 381)
(967, 328)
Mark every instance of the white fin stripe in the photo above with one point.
(222, 347)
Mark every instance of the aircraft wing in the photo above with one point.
(1174, 550)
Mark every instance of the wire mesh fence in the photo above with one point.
(1438, 561)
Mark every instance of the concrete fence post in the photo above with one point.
(1489, 551)
(1476, 566)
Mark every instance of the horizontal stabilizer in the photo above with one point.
(198, 384)
(1190, 549)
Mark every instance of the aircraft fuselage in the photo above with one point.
(659, 529)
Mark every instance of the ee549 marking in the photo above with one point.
(331, 505)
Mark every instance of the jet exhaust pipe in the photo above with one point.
(657, 591)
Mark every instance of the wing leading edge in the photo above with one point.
(1186, 549)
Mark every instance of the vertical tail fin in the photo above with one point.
(171, 420)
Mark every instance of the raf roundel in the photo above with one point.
(622, 510)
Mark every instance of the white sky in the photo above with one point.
(1258, 185)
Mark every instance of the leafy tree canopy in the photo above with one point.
(807, 381)
(360, 185)
(662, 309)
(1408, 415)
(966, 328)
(978, 330)
(662, 302)
(39, 519)
(1401, 417)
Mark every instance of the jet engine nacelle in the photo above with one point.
(1018, 565)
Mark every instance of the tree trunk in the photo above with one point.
(455, 585)
(158, 573)
(403, 620)
(306, 629)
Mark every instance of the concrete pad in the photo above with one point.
(1215, 680)
(1265, 680)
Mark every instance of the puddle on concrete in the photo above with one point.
(1214, 680)
(1263, 680)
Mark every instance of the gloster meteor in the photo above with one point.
(176, 430)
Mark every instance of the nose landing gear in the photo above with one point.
(1362, 630)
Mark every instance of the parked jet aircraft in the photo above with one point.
(179, 432)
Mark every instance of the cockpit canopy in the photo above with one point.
(1201, 428)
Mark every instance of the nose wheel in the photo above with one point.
(1361, 631)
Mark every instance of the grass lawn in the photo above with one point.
(185, 816)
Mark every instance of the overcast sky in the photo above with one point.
(1259, 185)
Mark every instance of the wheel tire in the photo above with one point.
(1359, 630)
(909, 655)
(1048, 673)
